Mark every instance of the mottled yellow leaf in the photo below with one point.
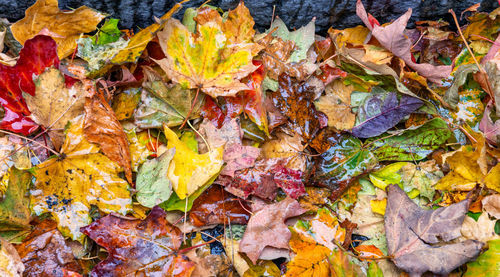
(67, 25)
(189, 170)
(492, 180)
(206, 60)
(336, 105)
(66, 186)
(54, 104)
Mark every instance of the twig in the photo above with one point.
(465, 41)
(31, 140)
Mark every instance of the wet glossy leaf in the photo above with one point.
(185, 53)
(302, 38)
(108, 32)
(294, 100)
(418, 253)
(66, 186)
(342, 162)
(67, 25)
(414, 143)
(125, 103)
(267, 228)
(163, 105)
(216, 206)
(54, 104)
(46, 253)
(188, 170)
(103, 128)
(138, 247)
(336, 105)
(290, 181)
(380, 112)
(37, 54)
(152, 185)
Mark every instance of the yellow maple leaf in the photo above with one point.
(65, 27)
(189, 170)
(67, 185)
(207, 60)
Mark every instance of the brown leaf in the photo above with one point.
(46, 253)
(392, 37)
(336, 105)
(237, 157)
(267, 228)
(294, 100)
(138, 247)
(102, 127)
(216, 206)
(419, 240)
(491, 204)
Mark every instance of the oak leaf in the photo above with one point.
(189, 170)
(267, 228)
(67, 25)
(412, 235)
(68, 185)
(139, 247)
(54, 104)
(103, 128)
(207, 60)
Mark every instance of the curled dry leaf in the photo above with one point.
(139, 247)
(102, 127)
(267, 228)
(413, 235)
(67, 25)
(54, 104)
(392, 37)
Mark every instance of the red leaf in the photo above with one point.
(328, 74)
(213, 112)
(290, 181)
(37, 54)
(216, 206)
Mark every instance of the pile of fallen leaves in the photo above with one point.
(206, 148)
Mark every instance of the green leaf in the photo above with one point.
(188, 19)
(474, 216)
(487, 264)
(497, 227)
(14, 210)
(108, 33)
(153, 186)
(190, 140)
(345, 160)
(387, 176)
(98, 56)
(374, 270)
(460, 76)
(412, 144)
(303, 37)
(160, 104)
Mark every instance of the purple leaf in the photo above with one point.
(379, 114)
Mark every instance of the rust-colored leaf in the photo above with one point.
(102, 127)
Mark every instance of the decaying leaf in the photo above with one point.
(139, 247)
(65, 26)
(67, 185)
(413, 235)
(103, 128)
(336, 105)
(54, 104)
(46, 253)
(14, 210)
(267, 228)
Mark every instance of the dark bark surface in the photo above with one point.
(296, 13)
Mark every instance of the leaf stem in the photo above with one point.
(192, 107)
(31, 140)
